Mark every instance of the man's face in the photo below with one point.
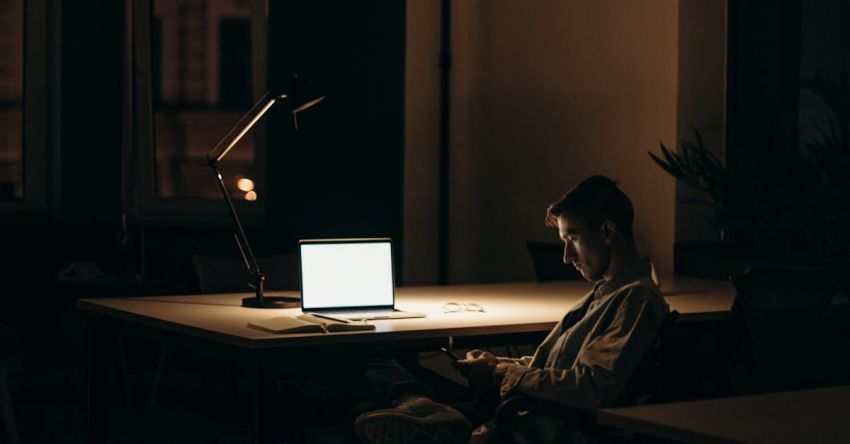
(585, 247)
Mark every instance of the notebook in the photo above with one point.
(349, 279)
(306, 323)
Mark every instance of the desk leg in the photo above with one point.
(96, 421)
(264, 391)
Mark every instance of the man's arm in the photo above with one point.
(604, 364)
(524, 360)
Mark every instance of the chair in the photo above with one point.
(548, 262)
(229, 274)
(645, 386)
(784, 315)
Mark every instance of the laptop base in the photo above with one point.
(390, 315)
(354, 315)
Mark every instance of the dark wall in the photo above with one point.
(89, 170)
(763, 81)
(762, 121)
(341, 173)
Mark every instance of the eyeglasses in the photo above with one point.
(454, 307)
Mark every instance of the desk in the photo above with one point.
(511, 309)
(816, 416)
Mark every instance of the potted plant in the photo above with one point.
(699, 168)
(795, 205)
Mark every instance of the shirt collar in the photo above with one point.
(624, 277)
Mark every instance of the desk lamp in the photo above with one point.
(301, 95)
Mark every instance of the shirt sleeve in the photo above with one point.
(524, 360)
(605, 363)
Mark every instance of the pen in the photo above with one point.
(344, 321)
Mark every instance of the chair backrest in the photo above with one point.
(645, 382)
(548, 262)
(229, 274)
(785, 314)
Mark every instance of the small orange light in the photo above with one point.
(251, 196)
(245, 184)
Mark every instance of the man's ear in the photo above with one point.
(609, 228)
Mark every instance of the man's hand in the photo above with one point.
(478, 367)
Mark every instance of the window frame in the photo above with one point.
(40, 77)
(140, 182)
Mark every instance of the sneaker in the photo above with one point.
(415, 420)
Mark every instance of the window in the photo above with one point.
(11, 100)
(205, 73)
(25, 83)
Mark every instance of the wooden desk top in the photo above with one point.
(816, 416)
(510, 308)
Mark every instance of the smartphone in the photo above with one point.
(451, 355)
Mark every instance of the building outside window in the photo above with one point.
(204, 75)
(11, 100)
(26, 83)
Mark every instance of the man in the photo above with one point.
(586, 360)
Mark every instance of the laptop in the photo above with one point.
(349, 279)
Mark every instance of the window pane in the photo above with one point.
(11, 99)
(201, 57)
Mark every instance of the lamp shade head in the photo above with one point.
(302, 94)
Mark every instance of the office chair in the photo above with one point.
(645, 386)
(548, 262)
(230, 275)
(784, 314)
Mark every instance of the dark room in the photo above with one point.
(424, 221)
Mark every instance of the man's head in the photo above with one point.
(594, 220)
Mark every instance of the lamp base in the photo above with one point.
(271, 302)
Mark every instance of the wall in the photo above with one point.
(542, 97)
(824, 42)
(701, 105)
(341, 173)
(421, 141)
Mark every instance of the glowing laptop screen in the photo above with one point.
(343, 274)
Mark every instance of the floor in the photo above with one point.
(50, 403)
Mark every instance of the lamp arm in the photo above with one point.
(242, 127)
(306, 96)
(214, 157)
(241, 239)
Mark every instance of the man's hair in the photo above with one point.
(594, 200)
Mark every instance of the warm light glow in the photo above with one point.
(245, 184)
(251, 196)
